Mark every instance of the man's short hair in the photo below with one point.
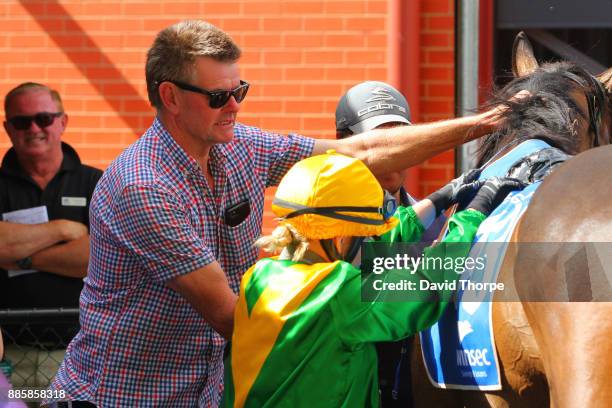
(176, 48)
(28, 86)
(368, 105)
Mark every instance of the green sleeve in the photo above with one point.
(462, 229)
(379, 320)
(409, 228)
(463, 225)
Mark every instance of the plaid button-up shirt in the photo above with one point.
(153, 218)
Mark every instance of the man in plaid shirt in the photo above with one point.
(174, 217)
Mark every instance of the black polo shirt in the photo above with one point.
(67, 196)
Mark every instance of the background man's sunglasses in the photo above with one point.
(217, 99)
(42, 120)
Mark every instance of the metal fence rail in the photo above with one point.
(34, 341)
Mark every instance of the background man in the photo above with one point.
(377, 105)
(174, 219)
(41, 172)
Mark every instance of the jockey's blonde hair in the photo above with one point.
(284, 236)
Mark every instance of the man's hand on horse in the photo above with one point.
(460, 190)
(494, 117)
(493, 192)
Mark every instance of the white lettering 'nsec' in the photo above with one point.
(473, 357)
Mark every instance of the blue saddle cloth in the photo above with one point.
(459, 351)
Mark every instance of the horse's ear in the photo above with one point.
(523, 60)
(606, 79)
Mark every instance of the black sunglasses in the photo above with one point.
(216, 99)
(42, 120)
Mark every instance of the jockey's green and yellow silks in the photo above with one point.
(274, 294)
(303, 337)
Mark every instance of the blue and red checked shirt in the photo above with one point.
(153, 218)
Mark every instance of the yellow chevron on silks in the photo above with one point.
(255, 336)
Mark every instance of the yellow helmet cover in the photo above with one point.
(315, 192)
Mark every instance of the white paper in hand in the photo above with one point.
(34, 215)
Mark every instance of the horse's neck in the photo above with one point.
(509, 144)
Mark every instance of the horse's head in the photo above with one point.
(567, 107)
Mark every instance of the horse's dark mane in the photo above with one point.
(549, 113)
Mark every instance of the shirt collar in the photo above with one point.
(179, 155)
(175, 151)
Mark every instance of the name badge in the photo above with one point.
(74, 201)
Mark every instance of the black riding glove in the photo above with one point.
(493, 192)
(460, 190)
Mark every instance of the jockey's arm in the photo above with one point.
(379, 320)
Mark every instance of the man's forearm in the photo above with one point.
(69, 259)
(18, 241)
(394, 149)
(208, 291)
(398, 148)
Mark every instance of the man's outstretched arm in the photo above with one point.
(394, 149)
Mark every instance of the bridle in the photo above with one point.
(596, 103)
(596, 106)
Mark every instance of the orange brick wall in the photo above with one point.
(299, 55)
(437, 83)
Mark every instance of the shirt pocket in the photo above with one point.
(246, 229)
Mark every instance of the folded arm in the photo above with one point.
(18, 241)
(67, 259)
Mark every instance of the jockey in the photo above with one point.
(302, 334)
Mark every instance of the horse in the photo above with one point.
(552, 349)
